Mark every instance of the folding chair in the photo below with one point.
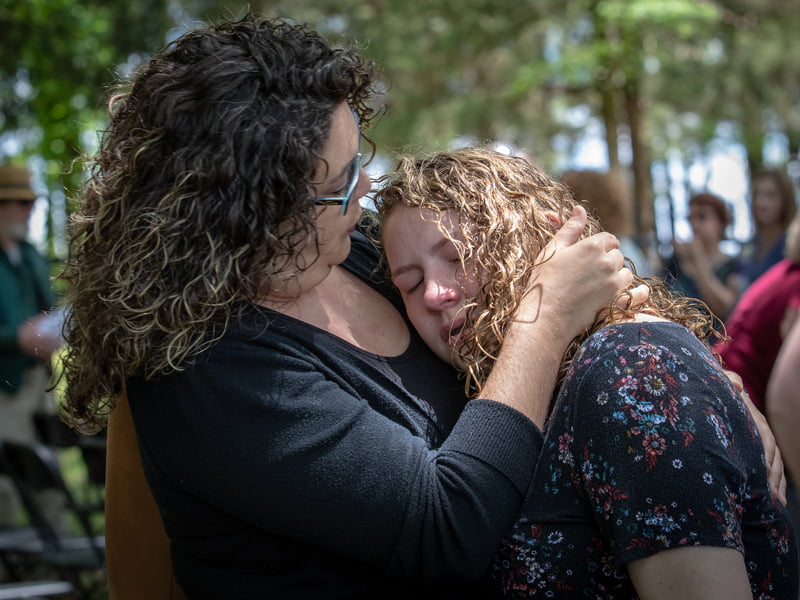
(20, 548)
(34, 468)
(54, 432)
(35, 589)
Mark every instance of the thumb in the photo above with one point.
(572, 230)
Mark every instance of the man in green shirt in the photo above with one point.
(26, 342)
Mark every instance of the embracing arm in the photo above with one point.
(302, 454)
(579, 279)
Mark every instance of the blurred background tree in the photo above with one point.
(663, 83)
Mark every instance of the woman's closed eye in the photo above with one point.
(408, 285)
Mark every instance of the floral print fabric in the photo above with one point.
(648, 448)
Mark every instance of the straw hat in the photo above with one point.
(15, 184)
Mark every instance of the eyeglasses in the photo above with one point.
(22, 202)
(352, 182)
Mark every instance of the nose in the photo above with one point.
(363, 186)
(439, 295)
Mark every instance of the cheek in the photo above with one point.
(426, 326)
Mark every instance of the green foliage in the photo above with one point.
(467, 69)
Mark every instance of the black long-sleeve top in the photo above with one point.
(288, 463)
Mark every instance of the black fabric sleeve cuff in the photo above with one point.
(499, 436)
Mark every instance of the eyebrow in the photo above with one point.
(334, 182)
(436, 247)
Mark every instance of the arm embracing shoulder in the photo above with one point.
(288, 448)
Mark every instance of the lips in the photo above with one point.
(450, 332)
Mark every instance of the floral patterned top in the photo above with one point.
(648, 448)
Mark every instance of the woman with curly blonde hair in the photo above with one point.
(298, 437)
(652, 482)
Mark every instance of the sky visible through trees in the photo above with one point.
(679, 95)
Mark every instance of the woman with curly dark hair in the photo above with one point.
(298, 437)
(652, 482)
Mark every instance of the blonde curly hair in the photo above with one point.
(507, 211)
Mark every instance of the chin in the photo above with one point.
(341, 254)
(446, 354)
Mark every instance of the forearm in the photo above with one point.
(524, 375)
(572, 283)
(719, 297)
(380, 494)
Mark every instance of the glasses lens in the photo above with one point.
(354, 176)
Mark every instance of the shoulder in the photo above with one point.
(645, 331)
(31, 254)
(637, 356)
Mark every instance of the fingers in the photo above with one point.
(777, 477)
(572, 230)
(736, 380)
(638, 296)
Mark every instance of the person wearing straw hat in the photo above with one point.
(25, 344)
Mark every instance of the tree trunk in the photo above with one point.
(643, 217)
(610, 123)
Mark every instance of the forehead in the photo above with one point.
(344, 125)
(766, 184)
(403, 220)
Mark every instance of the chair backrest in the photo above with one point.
(34, 468)
(137, 547)
(36, 590)
(53, 431)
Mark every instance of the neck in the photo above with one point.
(287, 295)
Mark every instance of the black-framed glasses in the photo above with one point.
(352, 182)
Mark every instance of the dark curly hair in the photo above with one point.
(212, 144)
(508, 210)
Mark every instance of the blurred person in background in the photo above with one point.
(754, 327)
(698, 268)
(26, 343)
(608, 199)
(772, 208)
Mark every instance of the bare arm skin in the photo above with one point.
(35, 342)
(783, 400)
(692, 573)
